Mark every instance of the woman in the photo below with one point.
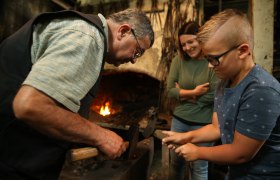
(192, 83)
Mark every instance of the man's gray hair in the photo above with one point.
(138, 20)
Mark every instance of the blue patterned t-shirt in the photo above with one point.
(252, 108)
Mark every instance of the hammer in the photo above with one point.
(88, 152)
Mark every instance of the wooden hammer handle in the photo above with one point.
(83, 153)
(86, 152)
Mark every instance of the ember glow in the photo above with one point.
(105, 110)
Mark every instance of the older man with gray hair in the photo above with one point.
(50, 71)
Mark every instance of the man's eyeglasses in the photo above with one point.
(214, 60)
(139, 51)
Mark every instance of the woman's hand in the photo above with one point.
(191, 99)
(202, 89)
(191, 95)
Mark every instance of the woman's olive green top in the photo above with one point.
(189, 74)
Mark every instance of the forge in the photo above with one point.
(127, 96)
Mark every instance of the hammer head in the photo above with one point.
(149, 130)
(133, 137)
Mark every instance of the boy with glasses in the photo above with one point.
(246, 109)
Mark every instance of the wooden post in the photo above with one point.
(262, 22)
(165, 161)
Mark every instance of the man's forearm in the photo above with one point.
(44, 114)
(74, 128)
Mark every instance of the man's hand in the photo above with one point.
(113, 145)
(188, 151)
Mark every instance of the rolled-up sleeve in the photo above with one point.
(67, 62)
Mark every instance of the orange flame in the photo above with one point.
(105, 110)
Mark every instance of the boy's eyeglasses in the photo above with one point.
(214, 60)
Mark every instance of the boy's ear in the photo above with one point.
(244, 51)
